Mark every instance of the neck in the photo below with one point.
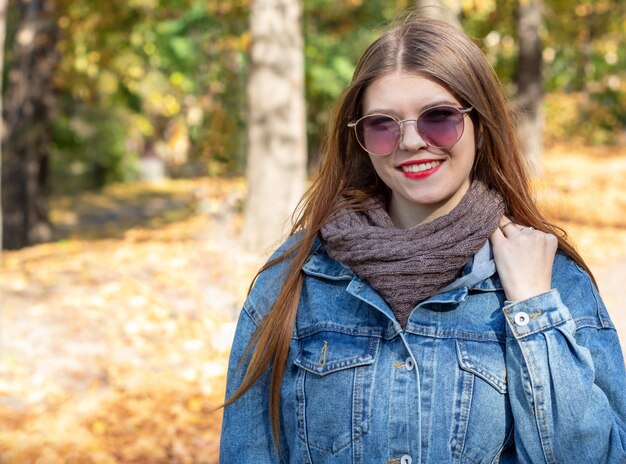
(406, 214)
(404, 219)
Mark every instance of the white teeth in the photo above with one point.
(420, 167)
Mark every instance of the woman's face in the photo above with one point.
(425, 182)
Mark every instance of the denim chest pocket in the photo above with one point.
(334, 384)
(485, 360)
(483, 420)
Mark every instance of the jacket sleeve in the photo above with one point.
(246, 430)
(566, 379)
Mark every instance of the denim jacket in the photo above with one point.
(471, 379)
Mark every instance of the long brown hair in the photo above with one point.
(446, 55)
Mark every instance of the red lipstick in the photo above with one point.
(426, 168)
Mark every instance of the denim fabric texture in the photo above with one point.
(472, 379)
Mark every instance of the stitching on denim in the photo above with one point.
(590, 322)
(251, 311)
(519, 334)
(427, 394)
(335, 278)
(354, 331)
(466, 363)
(331, 367)
(465, 400)
(301, 408)
(526, 377)
(357, 407)
(600, 310)
(366, 357)
(540, 329)
(544, 432)
(357, 431)
(541, 414)
(496, 382)
(455, 333)
(505, 444)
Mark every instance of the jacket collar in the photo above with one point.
(319, 264)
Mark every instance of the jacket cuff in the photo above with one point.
(535, 314)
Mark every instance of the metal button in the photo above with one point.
(522, 318)
(406, 459)
(409, 364)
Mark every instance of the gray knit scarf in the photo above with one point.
(407, 266)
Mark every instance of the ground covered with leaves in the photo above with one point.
(114, 339)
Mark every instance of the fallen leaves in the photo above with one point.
(115, 350)
(582, 190)
(114, 340)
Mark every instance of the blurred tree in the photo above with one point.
(276, 168)
(139, 74)
(529, 77)
(585, 77)
(336, 33)
(172, 74)
(3, 19)
(29, 103)
(447, 10)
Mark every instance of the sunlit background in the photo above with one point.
(118, 302)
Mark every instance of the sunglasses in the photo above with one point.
(439, 127)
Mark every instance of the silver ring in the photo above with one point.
(507, 224)
(524, 229)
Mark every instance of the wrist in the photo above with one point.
(524, 294)
(522, 297)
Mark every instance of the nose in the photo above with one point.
(410, 138)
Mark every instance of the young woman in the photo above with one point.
(423, 310)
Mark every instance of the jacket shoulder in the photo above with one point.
(579, 293)
(268, 282)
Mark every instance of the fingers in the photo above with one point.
(505, 222)
(524, 258)
(497, 236)
(507, 226)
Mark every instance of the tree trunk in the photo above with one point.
(276, 169)
(447, 10)
(528, 78)
(3, 23)
(28, 105)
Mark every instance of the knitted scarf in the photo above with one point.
(407, 266)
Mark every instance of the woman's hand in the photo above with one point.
(524, 258)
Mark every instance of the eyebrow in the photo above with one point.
(432, 104)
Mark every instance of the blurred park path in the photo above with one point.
(612, 283)
(582, 190)
(114, 340)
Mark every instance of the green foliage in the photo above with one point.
(143, 73)
(155, 73)
(491, 23)
(96, 141)
(335, 36)
(584, 63)
(585, 60)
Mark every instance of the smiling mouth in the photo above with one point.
(420, 167)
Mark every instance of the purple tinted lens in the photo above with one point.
(378, 134)
(441, 127)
